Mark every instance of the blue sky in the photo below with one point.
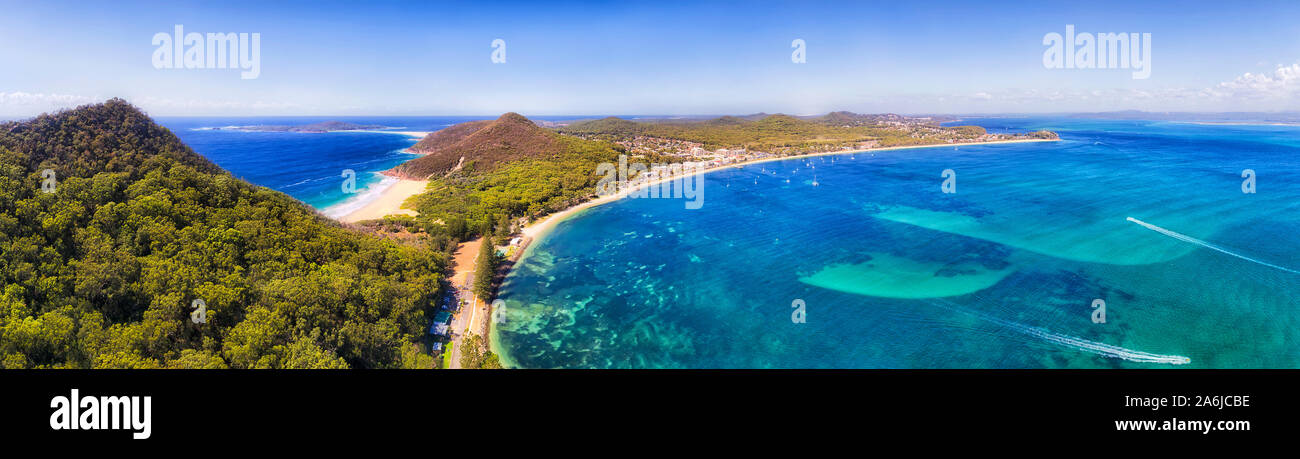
(578, 58)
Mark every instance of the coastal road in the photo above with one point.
(471, 317)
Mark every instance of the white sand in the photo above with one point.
(537, 229)
(389, 202)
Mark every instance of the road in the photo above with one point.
(472, 316)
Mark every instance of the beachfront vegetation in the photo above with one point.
(469, 201)
(511, 168)
(474, 354)
(484, 172)
(485, 269)
(104, 270)
(110, 268)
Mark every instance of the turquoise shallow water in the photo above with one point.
(896, 274)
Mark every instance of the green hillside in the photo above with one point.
(480, 146)
(102, 272)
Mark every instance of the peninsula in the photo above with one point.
(483, 172)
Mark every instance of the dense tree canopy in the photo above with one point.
(113, 233)
(485, 268)
(104, 271)
(483, 171)
(480, 146)
(475, 354)
(528, 186)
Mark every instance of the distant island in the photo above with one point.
(327, 126)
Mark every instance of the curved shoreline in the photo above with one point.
(391, 191)
(536, 232)
(388, 202)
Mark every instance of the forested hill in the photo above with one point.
(512, 168)
(103, 271)
(71, 142)
(479, 146)
(443, 138)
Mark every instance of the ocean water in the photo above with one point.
(309, 166)
(894, 273)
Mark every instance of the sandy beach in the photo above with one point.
(389, 202)
(533, 233)
(539, 229)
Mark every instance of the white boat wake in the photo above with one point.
(1186, 238)
(1102, 349)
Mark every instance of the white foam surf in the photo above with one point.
(1186, 238)
(1080, 344)
(361, 199)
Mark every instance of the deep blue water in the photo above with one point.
(309, 166)
(894, 273)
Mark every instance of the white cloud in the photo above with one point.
(1283, 82)
(1278, 89)
(1275, 90)
(19, 103)
(193, 106)
(24, 98)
